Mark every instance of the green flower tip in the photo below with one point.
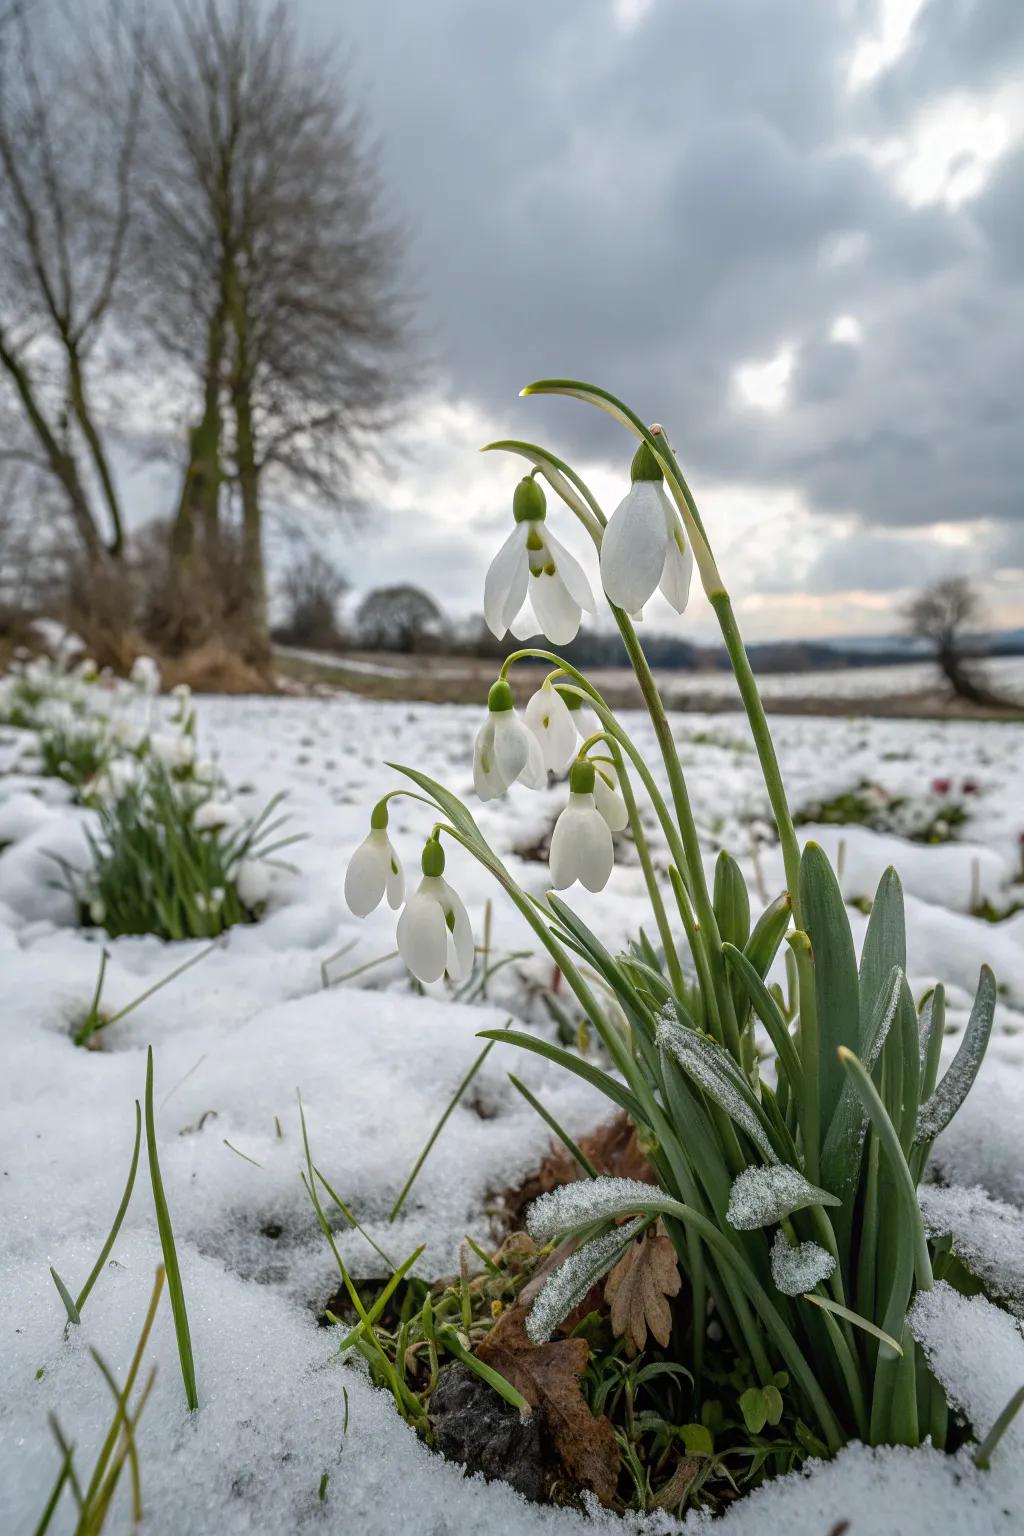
(432, 862)
(500, 698)
(645, 465)
(581, 777)
(529, 504)
(379, 816)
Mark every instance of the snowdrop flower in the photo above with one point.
(532, 562)
(434, 932)
(505, 750)
(643, 546)
(374, 869)
(175, 752)
(581, 844)
(547, 716)
(608, 798)
(216, 816)
(145, 675)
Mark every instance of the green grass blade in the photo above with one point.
(855, 1318)
(611, 1089)
(439, 1127)
(453, 1344)
(576, 1152)
(119, 1218)
(365, 1323)
(983, 1456)
(175, 1290)
(66, 1297)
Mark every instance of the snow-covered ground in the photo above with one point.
(376, 1062)
(1005, 674)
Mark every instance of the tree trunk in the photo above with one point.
(83, 415)
(199, 502)
(253, 631)
(61, 462)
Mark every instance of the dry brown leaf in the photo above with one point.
(548, 1376)
(638, 1288)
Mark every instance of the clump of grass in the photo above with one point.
(78, 754)
(155, 871)
(921, 820)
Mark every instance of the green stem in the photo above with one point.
(809, 1107)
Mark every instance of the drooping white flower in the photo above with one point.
(608, 798)
(643, 546)
(581, 844)
(532, 569)
(505, 750)
(547, 716)
(434, 931)
(374, 869)
(175, 750)
(216, 816)
(145, 676)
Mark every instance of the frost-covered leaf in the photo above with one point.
(638, 1289)
(714, 1071)
(571, 1281)
(840, 1156)
(799, 1268)
(762, 1196)
(586, 1201)
(836, 983)
(958, 1080)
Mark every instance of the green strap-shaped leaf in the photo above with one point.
(769, 932)
(835, 972)
(731, 901)
(885, 945)
(958, 1080)
(609, 1086)
(714, 1071)
(844, 1141)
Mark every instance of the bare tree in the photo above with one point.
(271, 275)
(69, 116)
(941, 614)
(311, 586)
(401, 618)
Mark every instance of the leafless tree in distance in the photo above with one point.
(401, 618)
(70, 104)
(269, 275)
(942, 614)
(312, 586)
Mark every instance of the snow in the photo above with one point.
(761, 1196)
(376, 1063)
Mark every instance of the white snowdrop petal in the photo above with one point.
(460, 937)
(563, 857)
(524, 626)
(487, 778)
(633, 546)
(395, 886)
(558, 614)
(550, 719)
(367, 874)
(678, 571)
(422, 935)
(608, 799)
(516, 592)
(511, 746)
(572, 573)
(503, 575)
(534, 773)
(596, 853)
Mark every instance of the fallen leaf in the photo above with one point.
(638, 1289)
(548, 1376)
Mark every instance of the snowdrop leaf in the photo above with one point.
(444, 799)
(798, 1269)
(609, 1086)
(767, 1010)
(835, 972)
(762, 1196)
(932, 1029)
(769, 932)
(573, 1207)
(841, 1154)
(731, 901)
(958, 1080)
(715, 1072)
(571, 1281)
(885, 946)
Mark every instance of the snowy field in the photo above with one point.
(376, 1062)
(1005, 675)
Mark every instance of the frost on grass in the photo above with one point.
(987, 1236)
(761, 1196)
(954, 1087)
(586, 1201)
(713, 1070)
(571, 1281)
(977, 1353)
(800, 1268)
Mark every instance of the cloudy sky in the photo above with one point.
(793, 231)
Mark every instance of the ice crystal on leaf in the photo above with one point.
(939, 1110)
(798, 1269)
(761, 1196)
(588, 1200)
(572, 1280)
(714, 1070)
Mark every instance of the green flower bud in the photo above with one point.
(432, 862)
(500, 698)
(529, 504)
(581, 777)
(645, 465)
(379, 816)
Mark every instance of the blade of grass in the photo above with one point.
(828, 1305)
(453, 1344)
(570, 1146)
(382, 1300)
(438, 1128)
(983, 1456)
(175, 1290)
(119, 1217)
